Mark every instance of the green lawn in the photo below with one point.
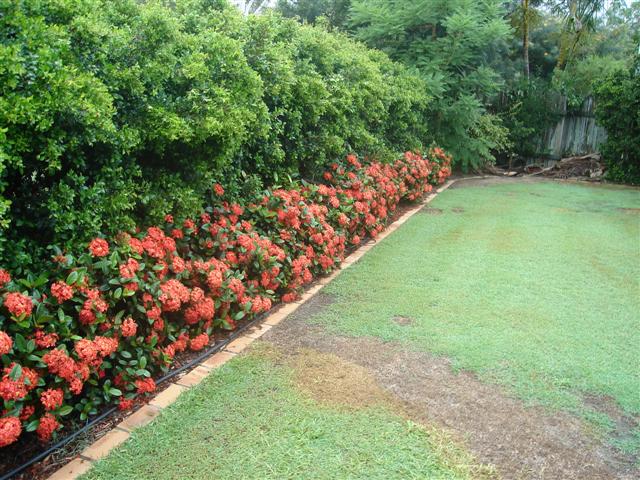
(248, 420)
(533, 286)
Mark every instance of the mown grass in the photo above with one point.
(247, 420)
(532, 286)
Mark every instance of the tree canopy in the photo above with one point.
(456, 46)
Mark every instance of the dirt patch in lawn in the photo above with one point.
(521, 442)
(631, 211)
(330, 380)
(403, 321)
(318, 304)
(624, 424)
(340, 384)
(457, 210)
(430, 211)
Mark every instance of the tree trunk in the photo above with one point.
(525, 37)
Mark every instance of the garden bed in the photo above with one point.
(124, 310)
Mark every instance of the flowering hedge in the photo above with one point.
(105, 323)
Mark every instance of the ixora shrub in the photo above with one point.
(103, 324)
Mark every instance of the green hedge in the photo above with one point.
(114, 113)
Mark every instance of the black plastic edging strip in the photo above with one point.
(58, 445)
(214, 349)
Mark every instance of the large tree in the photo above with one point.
(455, 44)
(252, 6)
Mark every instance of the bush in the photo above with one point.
(325, 94)
(576, 81)
(528, 110)
(114, 113)
(98, 327)
(617, 100)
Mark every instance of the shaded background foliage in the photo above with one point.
(454, 45)
(495, 68)
(618, 110)
(335, 12)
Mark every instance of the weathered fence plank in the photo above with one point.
(576, 133)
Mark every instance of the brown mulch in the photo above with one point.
(521, 442)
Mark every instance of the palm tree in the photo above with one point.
(525, 15)
(525, 36)
(580, 17)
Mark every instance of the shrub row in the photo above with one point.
(114, 113)
(100, 326)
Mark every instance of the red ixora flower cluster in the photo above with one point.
(113, 319)
(61, 291)
(99, 247)
(4, 277)
(6, 343)
(18, 304)
(52, 398)
(10, 430)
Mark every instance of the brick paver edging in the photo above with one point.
(121, 432)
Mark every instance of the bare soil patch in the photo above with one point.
(403, 321)
(330, 380)
(430, 211)
(457, 210)
(631, 211)
(521, 442)
(340, 384)
(624, 424)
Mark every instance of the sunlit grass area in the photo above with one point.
(532, 286)
(248, 420)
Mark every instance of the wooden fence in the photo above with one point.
(576, 133)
